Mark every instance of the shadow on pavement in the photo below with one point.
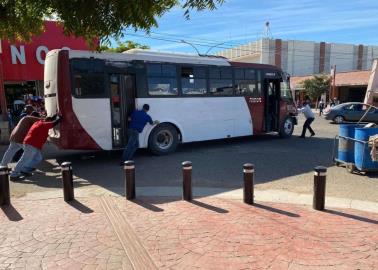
(276, 210)
(209, 207)
(359, 218)
(11, 213)
(80, 207)
(148, 206)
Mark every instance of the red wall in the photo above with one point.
(52, 38)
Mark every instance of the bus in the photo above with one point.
(195, 98)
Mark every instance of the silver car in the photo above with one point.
(351, 112)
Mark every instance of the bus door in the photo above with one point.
(272, 103)
(122, 100)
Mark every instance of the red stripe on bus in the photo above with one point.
(72, 134)
(256, 110)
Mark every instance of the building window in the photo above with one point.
(221, 81)
(162, 80)
(193, 80)
(247, 82)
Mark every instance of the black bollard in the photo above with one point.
(318, 202)
(68, 188)
(187, 180)
(248, 190)
(129, 168)
(4, 186)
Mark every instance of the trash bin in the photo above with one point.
(363, 161)
(346, 146)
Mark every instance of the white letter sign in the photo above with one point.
(38, 52)
(20, 55)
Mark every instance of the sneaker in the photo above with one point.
(17, 178)
(312, 135)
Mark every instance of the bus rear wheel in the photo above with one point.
(286, 128)
(163, 139)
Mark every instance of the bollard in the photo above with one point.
(248, 190)
(187, 180)
(129, 168)
(68, 188)
(319, 188)
(4, 186)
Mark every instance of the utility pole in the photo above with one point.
(334, 81)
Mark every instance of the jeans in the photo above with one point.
(132, 145)
(13, 148)
(29, 159)
(306, 125)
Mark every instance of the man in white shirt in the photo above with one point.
(310, 117)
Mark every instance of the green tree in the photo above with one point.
(20, 19)
(123, 46)
(317, 86)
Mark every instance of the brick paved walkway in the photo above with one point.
(209, 233)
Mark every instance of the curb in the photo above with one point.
(272, 195)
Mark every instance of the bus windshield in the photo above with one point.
(285, 90)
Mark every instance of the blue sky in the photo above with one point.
(241, 21)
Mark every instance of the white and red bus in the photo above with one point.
(195, 98)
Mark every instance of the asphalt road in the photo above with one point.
(284, 164)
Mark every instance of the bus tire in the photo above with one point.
(163, 139)
(286, 127)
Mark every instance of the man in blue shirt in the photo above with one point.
(138, 121)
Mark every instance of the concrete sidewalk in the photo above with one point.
(108, 232)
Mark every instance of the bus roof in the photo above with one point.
(145, 55)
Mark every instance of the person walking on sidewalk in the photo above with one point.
(321, 107)
(32, 145)
(17, 137)
(138, 120)
(310, 117)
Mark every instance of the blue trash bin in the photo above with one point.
(363, 161)
(346, 146)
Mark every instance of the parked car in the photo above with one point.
(351, 112)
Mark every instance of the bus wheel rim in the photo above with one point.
(164, 139)
(288, 126)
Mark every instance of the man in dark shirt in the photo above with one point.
(138, 121)
(17, 137)
(32, 144)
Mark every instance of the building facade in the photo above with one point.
(22, 68)
(300, 58)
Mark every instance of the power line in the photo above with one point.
(222, 46)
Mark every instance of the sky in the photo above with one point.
(239, 22)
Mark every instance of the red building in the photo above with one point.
(21, 66)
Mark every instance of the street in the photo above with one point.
(280, 164)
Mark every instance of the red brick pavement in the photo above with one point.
(226, 234)
(208, 233)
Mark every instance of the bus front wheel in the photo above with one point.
(163, 139)
(287, 127)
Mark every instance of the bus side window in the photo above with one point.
(221, 81)
(247, 82)
(162, 80)
(193, 80)
(88, 85)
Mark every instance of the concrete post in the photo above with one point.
(248, 190)
(129, 168)
(68, 188)
(187, 181)
(4, 186)
(319, 188)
